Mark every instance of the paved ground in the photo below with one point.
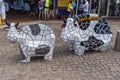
(65, 64)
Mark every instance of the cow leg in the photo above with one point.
(70, 45)
(49, 56)
(24, 56)
(104, 47)
(79, 50)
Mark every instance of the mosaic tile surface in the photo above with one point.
(86, 32)
(34, 40)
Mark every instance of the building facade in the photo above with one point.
(108, 7)
(105, 7)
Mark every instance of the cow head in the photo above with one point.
(69, 22)
(69, 29)
(13, 32)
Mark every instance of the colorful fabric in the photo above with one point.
(68, 8)
(40, 5)
(47, 3)
(73, 4)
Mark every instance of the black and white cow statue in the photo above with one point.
(86, 32)
(34, 39)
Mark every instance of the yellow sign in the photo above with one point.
(63, 3)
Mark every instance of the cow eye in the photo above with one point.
(75, 25)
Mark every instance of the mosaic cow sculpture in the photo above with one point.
(34, 39)
(86, 32)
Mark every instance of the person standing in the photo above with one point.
(2, 11)
(46, 9)
(74, 7)
(32, 8)
(94, 6)
(40, 4)
(69, 9)
(6, 6)
(86, 7)
(51, 13)
(80, 8)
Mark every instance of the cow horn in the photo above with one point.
(16, 24)
(7, 23)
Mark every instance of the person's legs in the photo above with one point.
(3, 17)
(116, 9)
(91, 11)
(53, 13)
(33, 13)
(40, 14)
(50, 13)
(94, 11)
(119, 9)
(45, 14)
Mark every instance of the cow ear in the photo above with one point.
(19, 29)
(75, 20)
(7, 23)
(16, 24)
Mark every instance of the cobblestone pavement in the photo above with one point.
(93, 65)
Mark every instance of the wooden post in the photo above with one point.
(117, 42)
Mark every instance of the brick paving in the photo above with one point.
(93, 65)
